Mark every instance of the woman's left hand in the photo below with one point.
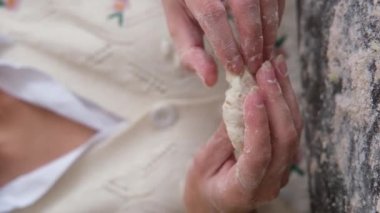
(217, 182)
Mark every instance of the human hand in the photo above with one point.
(256, 22)
(217, 182)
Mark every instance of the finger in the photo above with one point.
(288, 92)
(256, 155)
(270, 22)
(197, 59)
(215, 153)
(188, 38)
(280, 118)
(212, 17)
(282, 128)
(247, 16)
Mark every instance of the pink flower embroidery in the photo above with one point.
(119, 7)
(9, 4)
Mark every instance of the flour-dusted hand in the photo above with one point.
(219, 182)
(256, 22)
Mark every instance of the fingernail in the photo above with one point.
(258, 100)
(269, 74)
(281, 67)
(236, 65)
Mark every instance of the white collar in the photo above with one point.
(37, 88)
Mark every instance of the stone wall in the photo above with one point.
(340, 61)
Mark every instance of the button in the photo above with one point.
(164, 116)
(167, 49)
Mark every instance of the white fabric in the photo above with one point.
(37, 88)
(132, 72)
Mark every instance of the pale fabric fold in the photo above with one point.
(35, 87)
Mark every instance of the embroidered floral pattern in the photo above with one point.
(119, 8)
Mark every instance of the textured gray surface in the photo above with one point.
(340, 52)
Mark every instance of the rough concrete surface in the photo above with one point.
(340, 58)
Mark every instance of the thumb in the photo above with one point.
(215, 153)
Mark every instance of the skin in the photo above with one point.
(31, 137)
(217, 182)
(256, 24)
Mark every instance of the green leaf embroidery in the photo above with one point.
(119, 16)
(295, 168)
(280, 41)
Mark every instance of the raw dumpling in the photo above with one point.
(240, 86)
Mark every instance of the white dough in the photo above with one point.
(233, 107)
